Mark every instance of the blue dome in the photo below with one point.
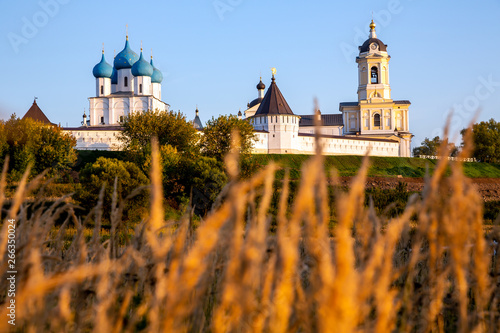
(142, 68)
(114, 77)
(157, 76)
(102, 69)
(126, 58)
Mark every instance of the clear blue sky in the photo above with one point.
(445, 54)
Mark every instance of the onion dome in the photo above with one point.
(126, 58)
(142, 67)
(114, 77)
(261, 85)
(102, 69)
(157, 76)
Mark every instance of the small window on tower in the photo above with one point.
(125, 81)
(102, 120)
(376, 120)
(102, 90)
(121, 119)
(140, 88)
(374, 75)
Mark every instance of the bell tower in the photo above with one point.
(373, 69)
(376, 114)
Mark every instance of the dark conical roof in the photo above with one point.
(197, 122)
(273, 102)
(37, 114)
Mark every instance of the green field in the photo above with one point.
(380, 166)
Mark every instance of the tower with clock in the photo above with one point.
(376, 114)
(373, 68)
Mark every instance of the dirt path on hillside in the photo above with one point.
(489, 188)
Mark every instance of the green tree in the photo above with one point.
(428, 147)
(185, 174)
(28, 141)
(216, 140)
(206, 179)
(486, 139)
(184, 169)
(431, 147)
(103, 172)
(171, 128)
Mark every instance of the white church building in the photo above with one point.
(132, 84)
(374, 124)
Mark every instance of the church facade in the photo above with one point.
(375, 124)
(132, 84)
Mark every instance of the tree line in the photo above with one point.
(485, 136)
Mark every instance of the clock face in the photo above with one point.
(374, 46)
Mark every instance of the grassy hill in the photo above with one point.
(380, 166)
(346, 165)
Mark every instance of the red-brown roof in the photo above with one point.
(37, 114)
(273, 102)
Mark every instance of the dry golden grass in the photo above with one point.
(433, 269)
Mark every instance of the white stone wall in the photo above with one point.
(261, 145)
(107, 139)
(305, 144)
(95, 138)
(349, 146)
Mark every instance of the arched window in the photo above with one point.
(376, 120)
(102, 120)
(140, 88)
(102, 90)
(374, 75)
(125, 81)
